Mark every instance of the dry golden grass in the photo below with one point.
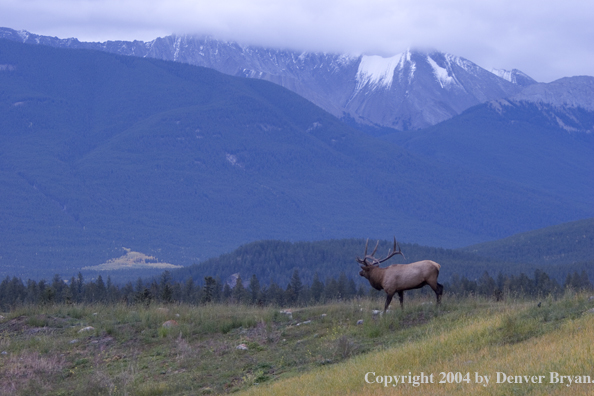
(28, 368)
(472, 345)
(320, 350)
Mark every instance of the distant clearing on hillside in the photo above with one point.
(132, 260)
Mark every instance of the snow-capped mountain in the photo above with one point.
(411, 90)
(514, 76)
(567, 103)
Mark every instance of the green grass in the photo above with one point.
(316, 350)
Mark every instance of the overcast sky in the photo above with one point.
(545, 39)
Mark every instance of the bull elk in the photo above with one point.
(399, 277)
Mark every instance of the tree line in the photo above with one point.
(164, 290)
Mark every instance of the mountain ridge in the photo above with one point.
(411, 90)
(183, 163)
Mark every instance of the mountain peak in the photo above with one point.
(568, 91)
(410, 90)
(514, 76)
(378, 72)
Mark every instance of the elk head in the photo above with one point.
(369, 262)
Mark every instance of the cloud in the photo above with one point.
(547, 40)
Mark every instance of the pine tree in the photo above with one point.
(290, 296)
(343, 286)
(317, 288)
(226, 292)
(352, 288)
(208, 291)
(254, 289)
(80, 283)
(585, 281)
(239, 292)
(188, 290)
(128, 293)
(331, 291)
(101, 291)
(73, 289)
(296, 286)
(167, 293)
(58, 286)
(486, 285)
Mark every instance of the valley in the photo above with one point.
(183, 163)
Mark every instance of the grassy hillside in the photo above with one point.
(101, 152)
(519, 341)
(218, 349)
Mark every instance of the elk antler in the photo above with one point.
(375, 261)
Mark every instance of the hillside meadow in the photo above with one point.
(521, 348)
(217, 349)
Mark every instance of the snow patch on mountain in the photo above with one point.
(441, 74)
(463, 63)
(505, 74)
(514, 76)
(413, 67)
(377, 71)
(23, 34)
(176, 47)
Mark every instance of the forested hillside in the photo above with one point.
(102, 152)
(547, 146)
(275, 261)
(562, 244)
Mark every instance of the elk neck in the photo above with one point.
(376, 276)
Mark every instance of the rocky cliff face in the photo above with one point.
(411, 90)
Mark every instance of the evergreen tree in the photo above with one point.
(217, 294)
(227, 292)
(167, 293)
(254, 289)
(239, 293)
(176, 288)
(128, 293)
(139, 288)
(585, 281)
(73, 289)
(276, 294)
(544, 285)
(331, 290)
(58, 286)
(361, 291)
(81, 284)
(188, 291)
(100, 290)
(209, 289)
(317, 288)
(343, 286)
(486, 285)
(296, 287)
(32, 292)
(352, 288)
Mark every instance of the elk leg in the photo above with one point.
(401, 297)
(388, 301)
(438, 293)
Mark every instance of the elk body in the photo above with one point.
(399, 277)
